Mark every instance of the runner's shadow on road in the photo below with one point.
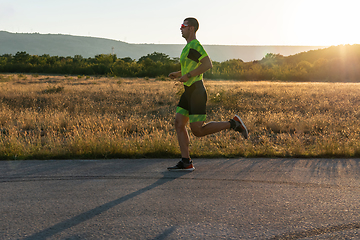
(83, 217)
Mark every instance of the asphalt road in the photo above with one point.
(139, 199)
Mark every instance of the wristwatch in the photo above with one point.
(188, 75)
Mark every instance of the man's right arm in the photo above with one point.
(174, 75)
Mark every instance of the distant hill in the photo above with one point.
(67, 45)
(350, 53)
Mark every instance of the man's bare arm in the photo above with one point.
(205, 65)
(174, 75)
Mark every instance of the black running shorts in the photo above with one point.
(192, 103)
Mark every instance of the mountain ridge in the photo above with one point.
(70, 45)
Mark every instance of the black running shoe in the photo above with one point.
(240, 126)
(181, 166)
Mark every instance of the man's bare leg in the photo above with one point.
(200, 130)
(182, 134)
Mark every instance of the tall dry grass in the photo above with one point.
(44, 117)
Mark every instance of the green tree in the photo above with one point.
(156, 57)
(271, 60)
(105, 58)
(22, 57)
(127, 59)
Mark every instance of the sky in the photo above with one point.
(222, 22)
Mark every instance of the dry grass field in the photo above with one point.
(48, 117)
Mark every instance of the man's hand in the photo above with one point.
(184, 78)
(174, 75)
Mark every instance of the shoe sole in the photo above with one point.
(182, 170)
(242, 124)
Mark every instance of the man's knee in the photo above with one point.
(197, 132)
(196, 129)
(180, 121)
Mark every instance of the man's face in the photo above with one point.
(185, 29)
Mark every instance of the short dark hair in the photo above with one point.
(193, 22)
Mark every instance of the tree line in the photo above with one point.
(336, 63)
(152, 65)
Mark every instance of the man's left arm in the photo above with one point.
(205, 65)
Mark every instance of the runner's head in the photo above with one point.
(193, 22)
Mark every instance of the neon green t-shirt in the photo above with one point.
(190, 59)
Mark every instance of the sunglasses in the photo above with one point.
(184, 26)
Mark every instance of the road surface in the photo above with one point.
(139, 199)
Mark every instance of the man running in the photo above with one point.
(192, 105)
